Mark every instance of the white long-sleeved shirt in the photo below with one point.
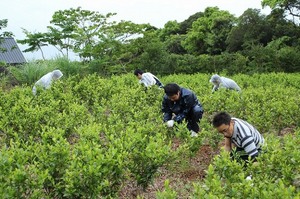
(223, 82)
(148, 79)
(46, 80)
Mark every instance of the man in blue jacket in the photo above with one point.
(181, 104)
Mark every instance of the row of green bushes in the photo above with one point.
(87, 136)
(258, 59)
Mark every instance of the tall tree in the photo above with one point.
(35, 41)
(252, 28)
(3, 34)
(174, 44)
(170, 28)
(171, 37)
(77, 29)
(209, 32)
(91, 34)
(281, 27)
(152, 54)
(187, 24)
(292, 7)
(119, 45)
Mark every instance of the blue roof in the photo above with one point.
(10, 53)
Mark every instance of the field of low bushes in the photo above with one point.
(86, 137)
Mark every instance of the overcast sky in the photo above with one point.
(35, 15)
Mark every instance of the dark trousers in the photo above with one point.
(193, 118)
(158, 83)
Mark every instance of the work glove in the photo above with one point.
(170, 123)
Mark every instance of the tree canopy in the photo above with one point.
(210, 41)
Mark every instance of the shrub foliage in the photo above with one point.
(86, 136)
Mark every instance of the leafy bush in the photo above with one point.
(275, 176)
(86, 136)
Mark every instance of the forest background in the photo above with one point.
(207, 42)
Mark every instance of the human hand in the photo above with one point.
(170, 123)
(178, 118)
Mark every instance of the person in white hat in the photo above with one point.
(223, 82)
(46, 81)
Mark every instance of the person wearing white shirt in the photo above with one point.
(223, 82)
(45, 81)
(148, 79)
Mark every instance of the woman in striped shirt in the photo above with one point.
(240, 134)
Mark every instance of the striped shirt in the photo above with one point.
(247, 137)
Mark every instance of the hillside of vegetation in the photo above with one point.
(212, 40)
(94, 137)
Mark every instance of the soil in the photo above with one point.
(180, 178)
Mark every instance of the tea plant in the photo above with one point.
(87, 136)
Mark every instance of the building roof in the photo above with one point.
(10, 52)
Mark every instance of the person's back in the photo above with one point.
(247, 137)
(148, 79)
(229, 84)
(45, 81)
(223, 82)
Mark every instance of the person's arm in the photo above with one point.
(166, 110)
(158, 82)
(237, 87)
(34, 90)
(215, 88)
(227, 145)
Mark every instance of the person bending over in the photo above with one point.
(46, 81)
(148, 79)
(223, 82)
(241, 138)
(181, 104)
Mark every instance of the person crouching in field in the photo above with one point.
(46, 81)
(223, 82)
(241, 138)
(148, 79)
(181, 104)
